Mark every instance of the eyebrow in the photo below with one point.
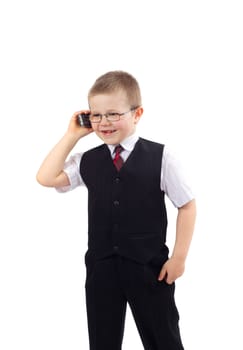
(107, 111)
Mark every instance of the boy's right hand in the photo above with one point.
(51, 172)
(75, 128)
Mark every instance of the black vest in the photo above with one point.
(126, 209)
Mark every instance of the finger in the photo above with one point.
(162, 274)
(169, 280)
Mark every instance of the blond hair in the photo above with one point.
(114, 81)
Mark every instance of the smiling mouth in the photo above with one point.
(108, 132)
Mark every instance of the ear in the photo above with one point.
(138, 113)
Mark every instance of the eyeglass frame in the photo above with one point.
(107, 115)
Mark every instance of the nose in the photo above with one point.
(104, 120)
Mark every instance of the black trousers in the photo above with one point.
(115, 281)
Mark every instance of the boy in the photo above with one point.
(127, 259)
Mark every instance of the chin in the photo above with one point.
(111, 139)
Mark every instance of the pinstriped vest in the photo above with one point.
(126, 209)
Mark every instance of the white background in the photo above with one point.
(187, 57)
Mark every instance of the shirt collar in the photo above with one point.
(128, 143)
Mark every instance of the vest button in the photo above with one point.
(116, 203)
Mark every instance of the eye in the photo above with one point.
(113, 114)
(96, 115)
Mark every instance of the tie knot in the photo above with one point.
(118, 149)
(118, 161)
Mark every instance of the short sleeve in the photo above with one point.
(71, 168)
(173, 180)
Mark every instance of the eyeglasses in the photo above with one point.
(111, 116)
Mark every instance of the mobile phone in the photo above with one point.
(83, 120)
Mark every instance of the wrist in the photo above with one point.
(71, 137)
(180, 258)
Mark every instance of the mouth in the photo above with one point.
(107, 132)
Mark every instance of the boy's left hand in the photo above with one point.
(171, 270)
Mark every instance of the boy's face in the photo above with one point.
(113, 133)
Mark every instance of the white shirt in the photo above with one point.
(172, 179)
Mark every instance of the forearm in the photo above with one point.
(184, 230)
(175, 265)
(52, 166)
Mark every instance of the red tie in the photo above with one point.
(118, 161)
